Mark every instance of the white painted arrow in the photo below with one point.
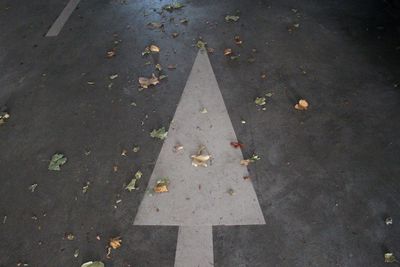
(200, 197)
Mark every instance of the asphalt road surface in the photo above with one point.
(326, 178)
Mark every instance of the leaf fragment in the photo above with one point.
(32, 187)
(172, 7)
(93, 264)
(231, 18)
(159, 133)
(113, 76)
(57, 160)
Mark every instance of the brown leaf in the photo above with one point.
(227, 52)
(161, 186)
(172, 66)
(154, 48)
(146, 82)
(302, 105)
(115, 242)
(175, 34)
(238, 41)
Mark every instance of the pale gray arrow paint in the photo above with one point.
(199, 196)
(62, 19)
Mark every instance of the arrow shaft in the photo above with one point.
(195, 247)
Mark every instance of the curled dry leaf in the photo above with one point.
(302, 105)
(154, 48)
(115, 242)
(161, 186)
(227, 51)
(200, 160)
(146, 82)
(237, 145)
(175, 34)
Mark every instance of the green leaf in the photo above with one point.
(133, 183)
(56, 161)
(260, 101)
(201, 45)
(93, 264)
(160, 133)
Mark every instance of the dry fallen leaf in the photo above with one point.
(115, 242)
(155, 25)
(161, 186)
(154, 48)
(172, 66)
(4, 116)
(238, 41)
(124, 153)
(146, 82)
(200, 160)
(111, 53)
(227, 51)
(69, 236)
(302, 105)
(175, 34)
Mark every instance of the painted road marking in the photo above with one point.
(62, 19)
(199, 197)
